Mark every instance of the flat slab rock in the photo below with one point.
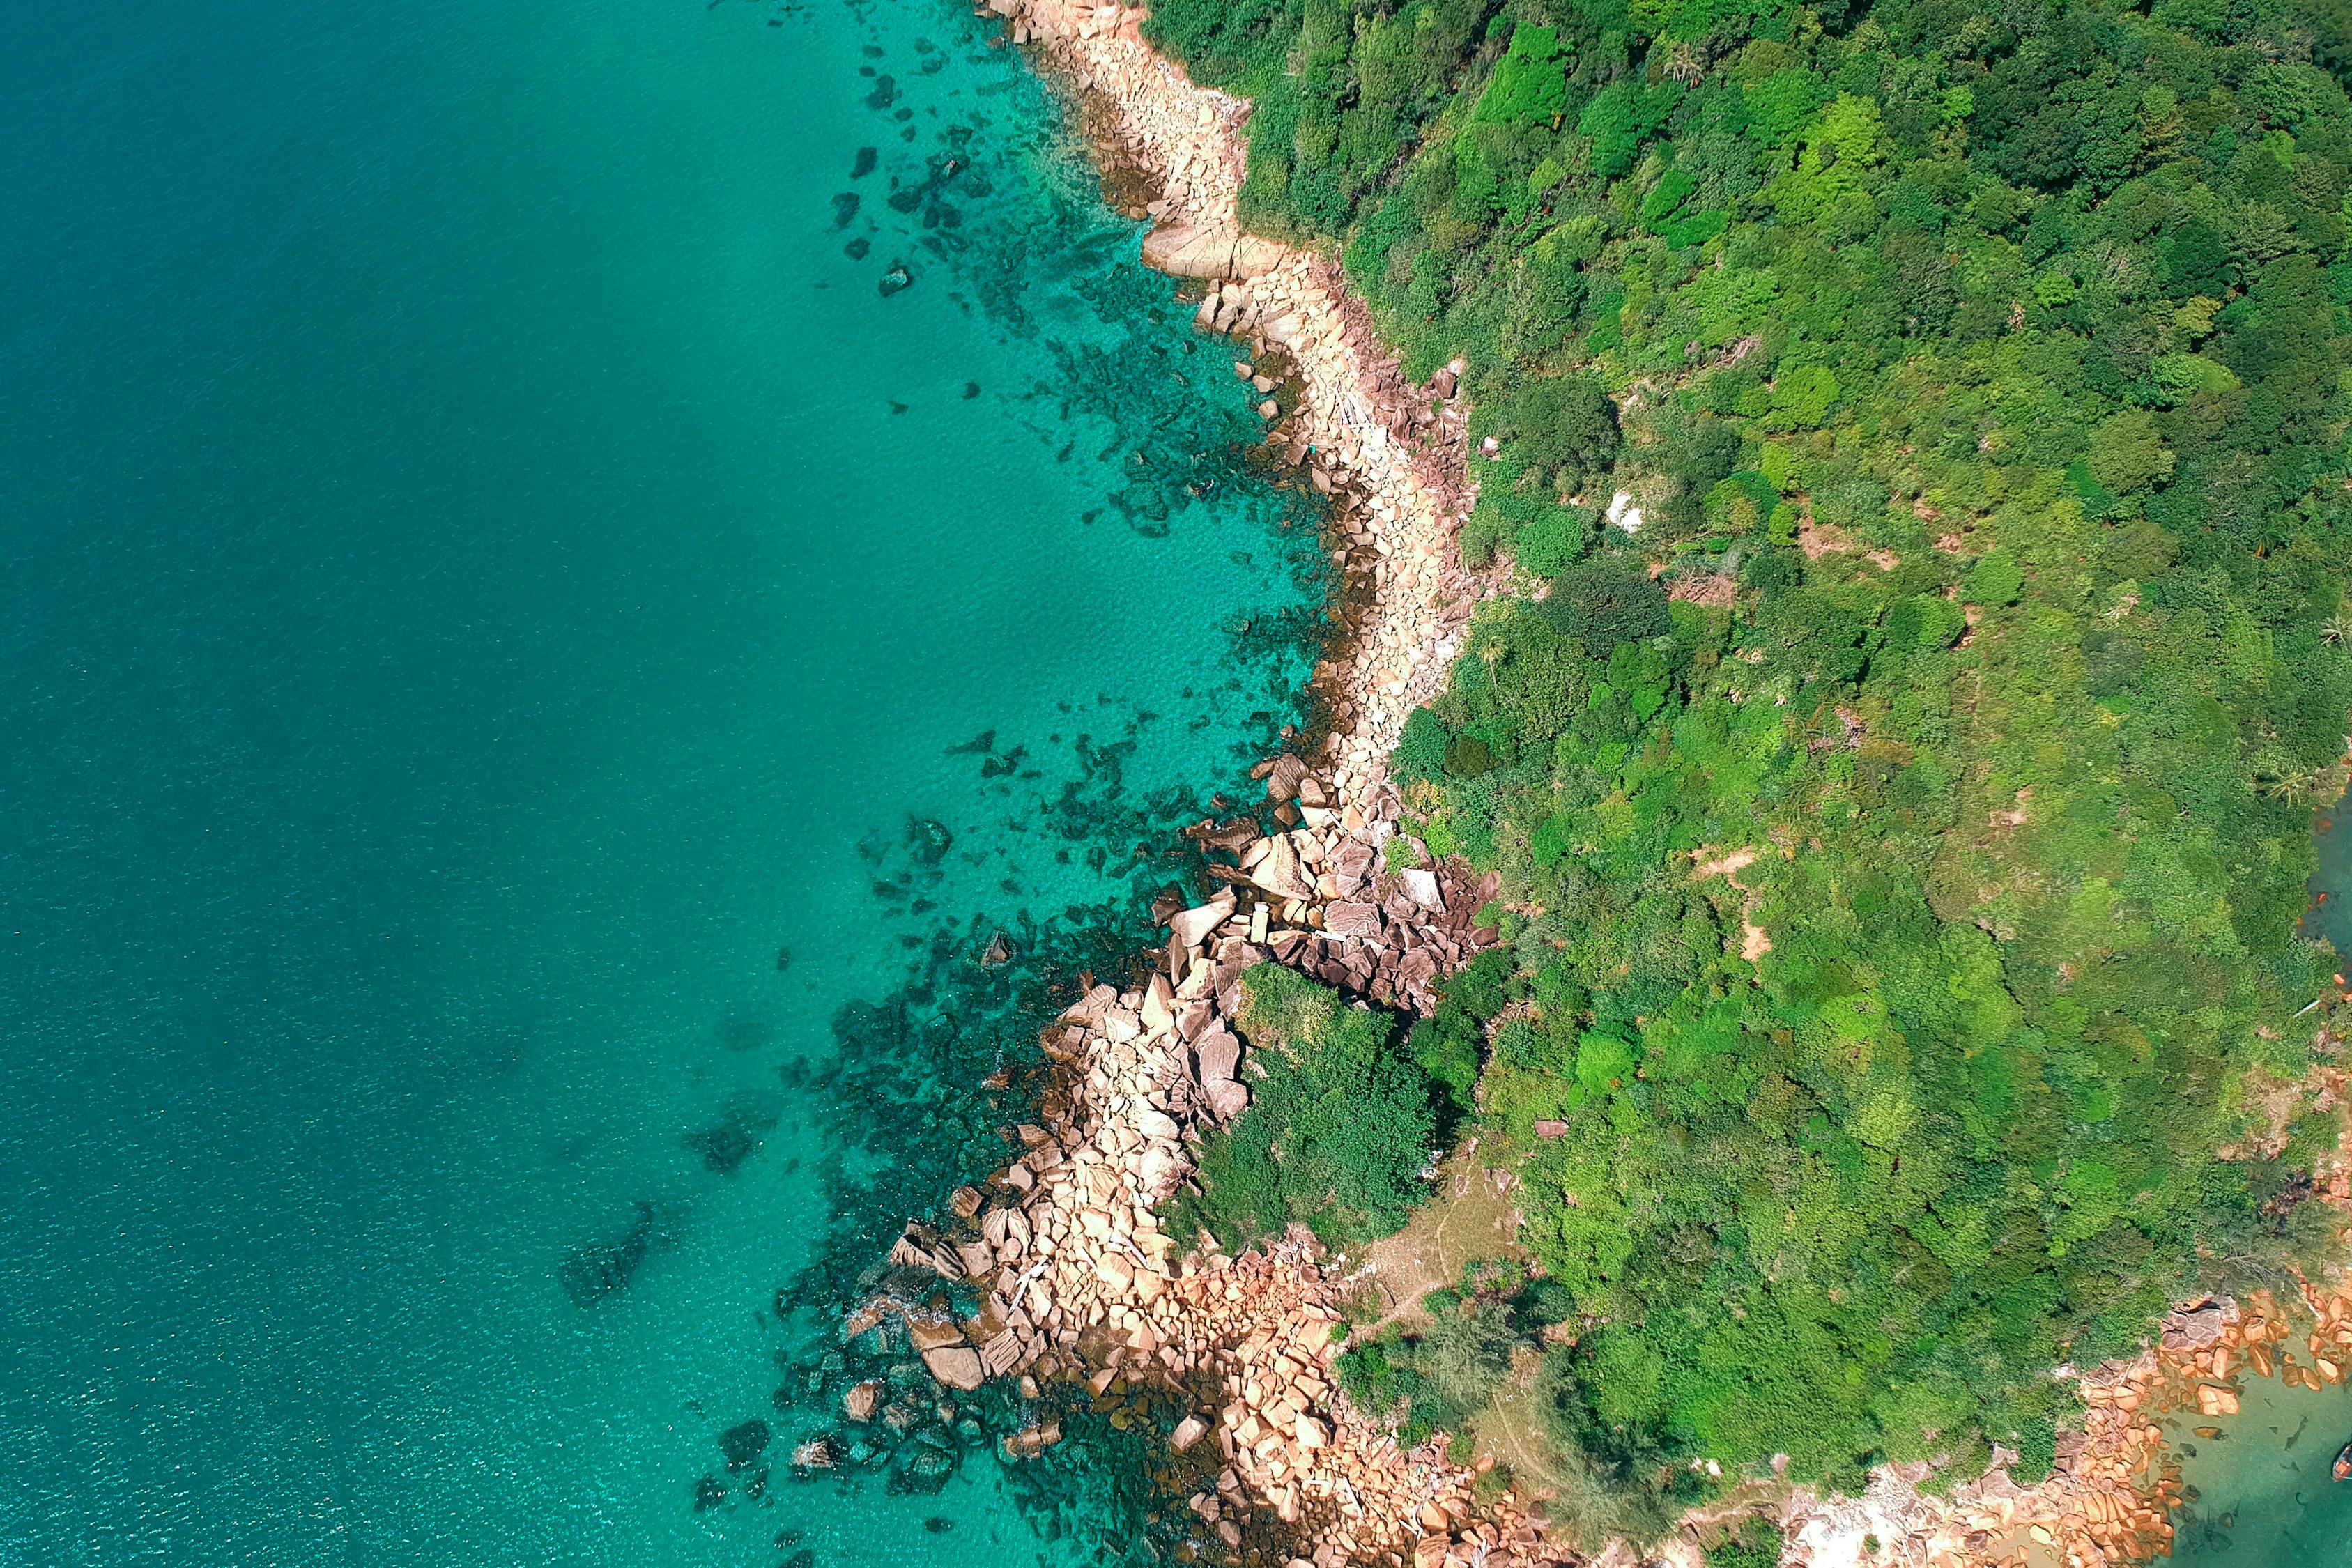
(958, 1366)
(1217, 1055)
(1192, 927)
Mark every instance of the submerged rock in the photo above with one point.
(929, 1470)
(724, 1147)
(898, 279)
(743, 1445)
(599, 1268)
(929, 841)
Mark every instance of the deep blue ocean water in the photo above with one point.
(532, 675)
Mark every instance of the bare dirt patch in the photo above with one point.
(1471, 1216)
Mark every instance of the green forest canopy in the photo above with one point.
(1979, 369)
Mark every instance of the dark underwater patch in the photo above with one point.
(725, 1145)
(744, 1443)
(596, 1270)
(744, 1031)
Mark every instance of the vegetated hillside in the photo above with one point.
(1904, 832)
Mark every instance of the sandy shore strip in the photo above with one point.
(1395, 447)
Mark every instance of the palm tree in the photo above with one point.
(2336, 627)
(1493, 654)
(2296, 786)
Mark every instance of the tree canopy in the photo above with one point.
(1905, 835)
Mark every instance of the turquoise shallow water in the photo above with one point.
(532, 676)
(2265, 1497)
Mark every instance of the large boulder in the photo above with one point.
(1192, 927)
(2197, 1326)
(1216, 1055)
(958, 1366)
(1279, 872)
(1191, 250)
(932, 1333)
(1254, 258)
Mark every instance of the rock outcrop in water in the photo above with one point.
(1072, 1278)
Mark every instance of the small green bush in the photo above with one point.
(1338, 1126)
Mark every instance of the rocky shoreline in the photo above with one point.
(1073, 1280)
(2112, 1489)
(1075, 1294)
(1392, 450)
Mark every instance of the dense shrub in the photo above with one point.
(1981, 368)
(1337, 1129)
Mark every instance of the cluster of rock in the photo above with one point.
(1076, 1280)
(1321, 897)
(881, 1406)
(1392, 453)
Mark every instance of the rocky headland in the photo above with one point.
(1075, 1293)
